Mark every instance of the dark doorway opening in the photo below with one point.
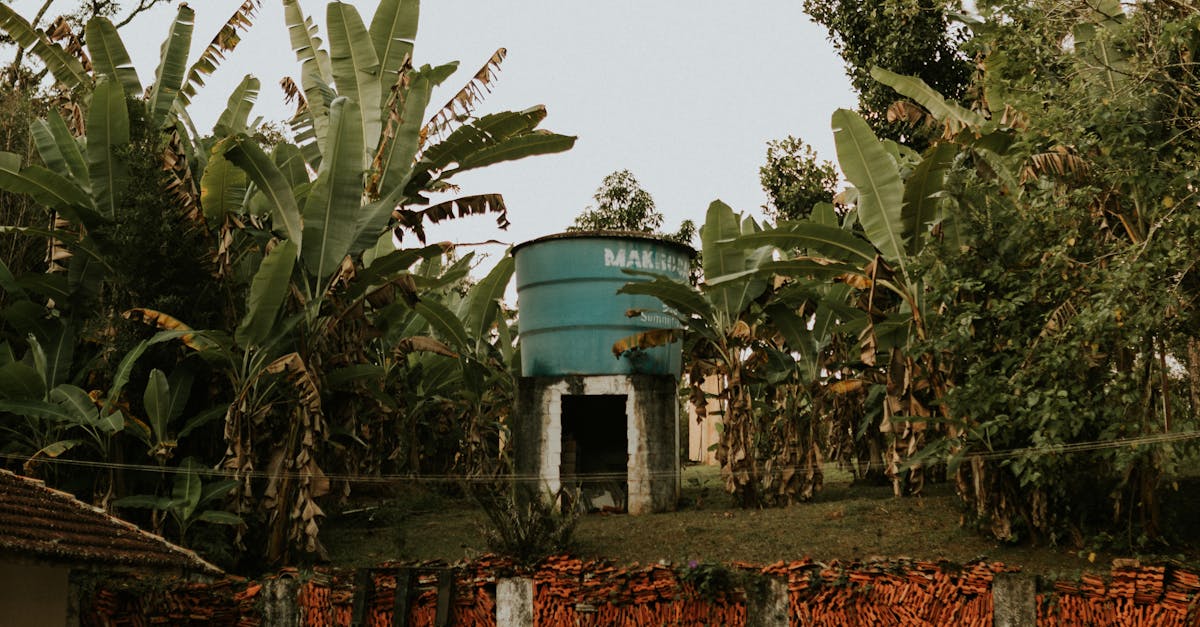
(595, 450)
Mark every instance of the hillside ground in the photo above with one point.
(844, 522)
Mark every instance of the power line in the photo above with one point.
(392, 479)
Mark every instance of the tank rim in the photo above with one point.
(640, 235)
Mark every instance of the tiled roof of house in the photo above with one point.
(41, 523)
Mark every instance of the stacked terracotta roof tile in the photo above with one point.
(570, 591)
(1135, 595)
(888, 593)
(41, 523)
(229, 601)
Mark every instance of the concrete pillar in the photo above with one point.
(279, 601)
(767, 603)
(1014, 600)
(652, 423)
(514, 602)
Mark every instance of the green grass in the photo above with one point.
(843, 522)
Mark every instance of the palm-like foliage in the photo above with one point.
(306, 263)
(743, 330)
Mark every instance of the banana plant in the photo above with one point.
(729, 335)
(477, 392)
(362, 111)
(189, 502)
(43, 388)
(164, 400)
(384, 131)
(899, 208)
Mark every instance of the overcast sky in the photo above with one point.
(683, 94)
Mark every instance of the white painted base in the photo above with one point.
(638, 469)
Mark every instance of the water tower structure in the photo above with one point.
(604, 426)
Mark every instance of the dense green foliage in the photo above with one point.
(794, 180)
(623, 205)
(1071, 320)
(238, 303)
(909, 37)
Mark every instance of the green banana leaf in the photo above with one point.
(830, 308)
(291, 162)
(20, 382)
(109, 56)
(795, 332)
(356, 71)
(393, 31)
(316, 72)
(874, 174)
(921, 194)
(187, 489)
(926, 96)
(398, 151)
(59, 149)
(536, 142)
(39, 409)
(65, 68)
(168, 79)
(237, 108)
(467, 139)
(722, 256)
(57, 355)
(222, 188)
(824, 213)
(44, 186)
(77, 402)
(107, 135)
(156, 399)
(245, 153)
(386, 267)
(267, 293)
(444, 322)
(831, 241)
(333, 205)
(678, 296)
(480, 309)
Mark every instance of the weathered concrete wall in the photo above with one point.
(514, 602)
(33, 595)
(652, 438)
(1014, 600)
(656, 419)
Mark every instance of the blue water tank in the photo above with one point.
(570, 314)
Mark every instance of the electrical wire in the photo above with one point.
(394, 479)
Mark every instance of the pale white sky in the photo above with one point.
(684, 94)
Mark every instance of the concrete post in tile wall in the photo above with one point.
(767, 603)
(1014, 600)
(514, 602)
(280, 601)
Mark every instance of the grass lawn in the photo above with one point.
(844, 522)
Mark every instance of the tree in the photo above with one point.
(622, 205)
(909, 37)
(1063, 319)
(794, 180)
